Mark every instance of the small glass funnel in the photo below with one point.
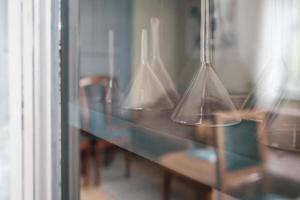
(157, 64)
(206, 96)
(112, 92)
(146, 92)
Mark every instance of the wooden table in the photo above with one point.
(200, 173)
(178, 163)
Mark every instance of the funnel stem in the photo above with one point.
(155, 37)
(144, 47)
(111, 52)
(205, 51)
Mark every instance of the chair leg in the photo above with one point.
(98, 167)
(127, 158)
(86, 166)
(166, 186)
(109, 156)
(83, 167)
(204, 193)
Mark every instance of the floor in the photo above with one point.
(143, 184)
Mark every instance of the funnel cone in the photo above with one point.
(205, 97)
(146, 91)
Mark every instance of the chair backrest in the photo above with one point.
(103, 81)
(240, 152)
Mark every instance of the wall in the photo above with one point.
(235, 66)
(97, 17)
(170, 25)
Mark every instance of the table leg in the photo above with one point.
(98, 167)
(127, 158)
(204, 193)
(166, 184)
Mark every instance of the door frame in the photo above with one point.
(70, 152)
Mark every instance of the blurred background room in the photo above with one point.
(149, 99)
(254, 47)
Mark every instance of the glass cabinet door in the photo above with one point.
(128, 64)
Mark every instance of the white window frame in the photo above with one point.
(15, 98)
(34, 84)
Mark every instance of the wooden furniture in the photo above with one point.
(242, 158)
(182, 162)
(199, 173)
(281, 173)
(241, 155)
(204, 170)
(102, 82)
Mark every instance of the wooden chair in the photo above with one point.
(229, 176)
(242, 155)
(101, 146)
(239, 160)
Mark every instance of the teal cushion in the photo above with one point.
(100, 127)
(241, 146)
(208, 154)
(154, 145)
(98, 124)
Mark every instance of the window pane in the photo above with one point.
(128, 53)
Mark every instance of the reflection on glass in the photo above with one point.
(146, 91)
(206, 94)
(282, 124)
(272, 78)
(282, 121)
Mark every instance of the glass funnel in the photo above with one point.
(112, 92)
(146, 92)
(157, 64)
(206, 96)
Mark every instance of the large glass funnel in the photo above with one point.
(157, 63)
(206, 95)
(146, 91)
